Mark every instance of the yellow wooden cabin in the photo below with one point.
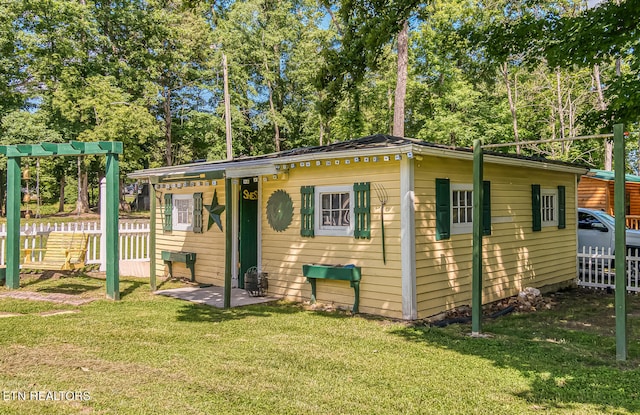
(595, 191)
(327, 205)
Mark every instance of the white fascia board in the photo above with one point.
(507, 161)
(254, 170)
(535, 164)
(360, 152)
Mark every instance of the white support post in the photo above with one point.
(408, 239)
(103, 224)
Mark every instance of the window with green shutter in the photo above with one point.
(536, 207)
(562, 208)
(461, 208)
(168, 212)
(307, 194)
(443, 209)
(197, 212)
(362, 211)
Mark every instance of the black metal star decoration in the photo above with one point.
(215, 210)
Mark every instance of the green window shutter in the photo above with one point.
(562, 207)
(362, 210)
(443, 209)
(536, 207)
(307, 194)
(197, 212)
(168, 211)
(486, 208)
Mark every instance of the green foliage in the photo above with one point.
(571, 36)
(149, 73)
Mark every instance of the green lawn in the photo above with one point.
(155, 355)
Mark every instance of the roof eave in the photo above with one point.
(496, 159)
(267, 164)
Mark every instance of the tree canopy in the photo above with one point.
(149, 73)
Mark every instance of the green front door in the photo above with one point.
(248, 235)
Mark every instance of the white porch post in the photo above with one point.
(408, 239)
(103, 224)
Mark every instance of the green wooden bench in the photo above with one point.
(189, 259)
(62, 251)
(331, 272)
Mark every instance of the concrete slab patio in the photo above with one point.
(214, 296)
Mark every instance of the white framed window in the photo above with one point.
(549, 207)
(182, 214)
(334, 210)
(461, 208)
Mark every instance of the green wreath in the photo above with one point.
(279, 210)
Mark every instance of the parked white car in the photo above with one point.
(597, 229)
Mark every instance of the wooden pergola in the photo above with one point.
(620, 234)
(15, 152)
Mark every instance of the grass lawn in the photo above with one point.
(155, 355)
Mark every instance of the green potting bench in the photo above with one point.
(334, 272)
(189, 259)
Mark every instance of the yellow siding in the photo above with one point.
(209, 246)
(284, 253)
(514, 256)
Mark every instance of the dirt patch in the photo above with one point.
(7, 314)
(57, 312)
(54, 298)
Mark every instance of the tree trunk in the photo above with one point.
(602, 106)
(276, 128)
(401, 82)
(82, 203)
(560, 106)
(61, 199)
(167, 126)
(227, 108)
(390, 109)
(504, 70)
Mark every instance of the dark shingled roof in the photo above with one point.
(377, 141)
(389, 141)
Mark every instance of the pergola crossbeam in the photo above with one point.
(73, 148)
(555, 140)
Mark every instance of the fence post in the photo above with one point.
(103, 224)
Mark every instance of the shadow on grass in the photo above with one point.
(132, 286)
(74, 283)
(565, 367)
(195, 312)
(46, 276)
(69, 288)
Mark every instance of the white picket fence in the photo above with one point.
(596, 269)
(133, 239)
